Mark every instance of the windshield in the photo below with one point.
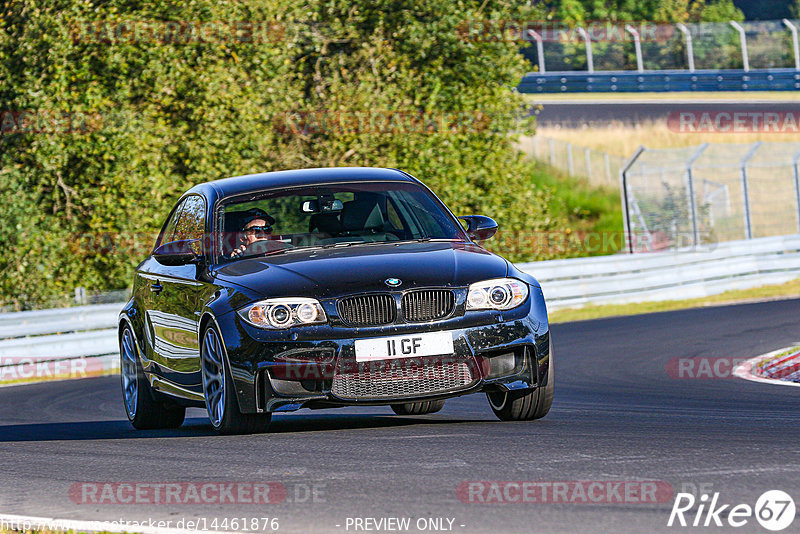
(332, 215)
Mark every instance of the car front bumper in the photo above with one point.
(315, 367)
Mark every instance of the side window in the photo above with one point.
(169, 229)
(191, 224)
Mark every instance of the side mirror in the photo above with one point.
(479, 227)
(177, 252)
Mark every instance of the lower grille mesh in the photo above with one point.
(403, 379)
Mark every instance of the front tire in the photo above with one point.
(220, 396)
(145, 411)
(525, 405)
(418, 408)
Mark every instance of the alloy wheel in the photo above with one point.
(213, 377)
(129, 372)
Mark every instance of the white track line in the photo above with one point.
(24, 522)
(745, 370)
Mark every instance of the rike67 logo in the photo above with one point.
(774, 510)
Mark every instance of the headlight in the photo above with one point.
(499, 294)
(284, 313)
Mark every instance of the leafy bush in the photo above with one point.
(150, 117)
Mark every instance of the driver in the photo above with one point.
(256, 228)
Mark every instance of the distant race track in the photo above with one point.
(630, 110)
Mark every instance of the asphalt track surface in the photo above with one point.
(618, 416)
(577, 113)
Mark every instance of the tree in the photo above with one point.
(151, 101)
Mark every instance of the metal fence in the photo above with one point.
(644, 56)
(642, 46)
(711, 193)
(600, 168)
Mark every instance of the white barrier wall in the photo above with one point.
(672, 275)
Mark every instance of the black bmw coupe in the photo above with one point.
(325, 288)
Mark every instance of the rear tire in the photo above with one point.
(418, 408)
(220, 396)
(144, 409)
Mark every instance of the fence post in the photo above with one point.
(637, 43)
(552, 144)
(623, 186)
(690, 186)
(607, 159)
(748, 225)
(795, 45)
(570, 164)
(588, 156)
(539, 50)
(743, 43)
(795, 164)
(689, 44)
(536, 146)
(589, 56)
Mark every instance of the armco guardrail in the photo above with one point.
(660, 81)
(673, 275)
(58, 343)
(89, 331)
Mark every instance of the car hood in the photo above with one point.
(331, 272)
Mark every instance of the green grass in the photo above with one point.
(773, 292)
(588, 208)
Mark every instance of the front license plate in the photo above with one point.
(410, 346)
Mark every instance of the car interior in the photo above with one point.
(363, 219)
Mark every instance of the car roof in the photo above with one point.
(227, 187)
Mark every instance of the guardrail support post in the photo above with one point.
(637, 43)
(795, 164)
(748, 225)
(80, 295)
(689, 45)
(690, 187)
(743, 42)
(589, 56)
(795, 45)
(539, 49)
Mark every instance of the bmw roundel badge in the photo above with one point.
(393, 282)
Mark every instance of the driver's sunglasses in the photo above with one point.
(258, 230)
